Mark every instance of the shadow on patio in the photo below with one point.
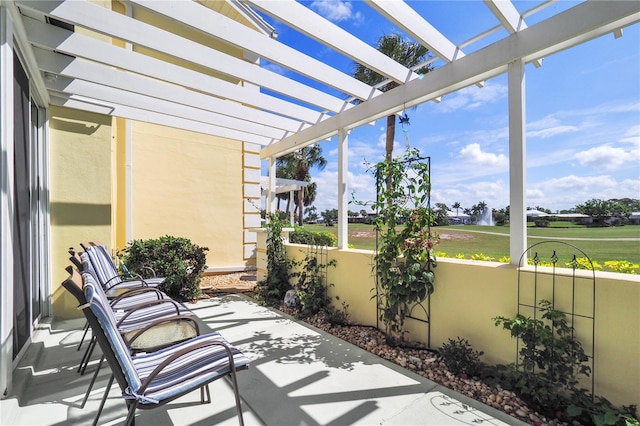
(299, 376)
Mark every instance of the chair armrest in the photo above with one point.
(134, 292)
(148, 304)
(188, 348)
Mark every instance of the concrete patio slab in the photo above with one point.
(299, 376)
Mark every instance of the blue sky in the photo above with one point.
(582, 105)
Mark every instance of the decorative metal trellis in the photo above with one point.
(572, 294)
(421, 311)
(321, 254)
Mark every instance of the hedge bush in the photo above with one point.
(313, 238)
(176, 258)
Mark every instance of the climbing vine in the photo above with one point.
(404, 261)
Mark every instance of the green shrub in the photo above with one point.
(272, 288)
(460, 358)
(311, 288)
(313, 238)
(550, 359)
(176, 258)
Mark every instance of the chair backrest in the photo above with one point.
(97, 301)
(74, 285)
(103, 267)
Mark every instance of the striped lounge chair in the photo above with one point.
(148, 380)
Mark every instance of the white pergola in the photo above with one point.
(92, 74)
(283, 186)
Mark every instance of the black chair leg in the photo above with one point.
(104, 400)
(131, 416)
(93, 381)
(86, 329)
(87, 356)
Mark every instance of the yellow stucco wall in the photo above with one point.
(189, 185)
(80, 163)
(469, 294)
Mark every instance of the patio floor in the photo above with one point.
(299, 376)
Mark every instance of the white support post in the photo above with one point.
(7, 201)
(292, 207)
(271, 192)
(343, 201)
(517, 162)
(128, 159)
(128, 179)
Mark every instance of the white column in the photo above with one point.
(128, 178)
(343, 201)
(128, 160)
(292, 207)
(271, 193)
(517, 161)
(6, 199)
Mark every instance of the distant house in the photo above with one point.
(458, 219)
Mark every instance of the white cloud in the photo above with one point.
(573, 183)
(472, 97)
(547, 127)
(362, 184)
(607, 157)
(632, 136)
(494, 193)
(551, 131)
(336, 10)
(472, 153)
(568, 191)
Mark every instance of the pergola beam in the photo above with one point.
(74, 68)
(105, 21)
(589, 20)
(422, 31)
(112, 95)
(132, 113)
(229, 31)
(326, 32)
(74, 44)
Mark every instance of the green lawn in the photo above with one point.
(493, 241)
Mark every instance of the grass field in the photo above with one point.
(600, 244)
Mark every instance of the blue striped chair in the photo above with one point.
(136, 292)
(172, 328)
(148, 380)
(107, 273)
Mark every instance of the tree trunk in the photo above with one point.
(391, 134)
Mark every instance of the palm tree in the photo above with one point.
(404, 51)
(456, 206)
(297, 165)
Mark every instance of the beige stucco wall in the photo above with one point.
(80, 164)
(469, 294)
(189, 185)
